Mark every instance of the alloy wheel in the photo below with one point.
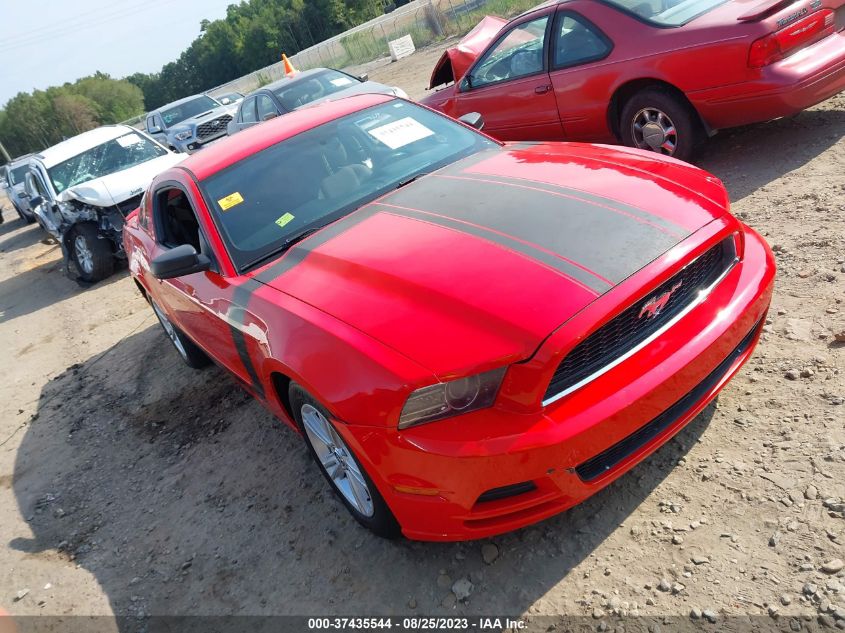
(171, 332)
(84, 256)
(337, 459)
(653, 130)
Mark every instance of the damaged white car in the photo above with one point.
(82, 189)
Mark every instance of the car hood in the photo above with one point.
(456, 60)
(479, 262)
(122, 185)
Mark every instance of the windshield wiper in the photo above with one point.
(290, 241)
(408, 181)
(298, 237)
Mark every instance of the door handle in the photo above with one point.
(541, 90)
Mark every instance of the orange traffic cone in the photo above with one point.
(290, 71)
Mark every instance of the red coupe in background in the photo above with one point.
(470, 336)
(656, 74)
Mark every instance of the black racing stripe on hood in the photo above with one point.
(609, 242)
(581, 276)
(621, 207)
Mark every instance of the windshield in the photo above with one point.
(298, 92)
(188, 110)
(17, 174)
(327, 172)
(668, 12)
(112, 156)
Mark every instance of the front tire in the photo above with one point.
(93, 256)
(193, 356)
(659, 121)
(339, 465)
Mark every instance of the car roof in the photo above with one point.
(80, 143)
(178, 102)
(287, 81)
(235, 148)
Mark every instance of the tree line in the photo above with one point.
(251, 36)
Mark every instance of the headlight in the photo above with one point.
(400, 93)
(184, 136)
(446, 399)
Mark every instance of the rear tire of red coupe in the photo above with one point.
(661, 122)
(193, 356)
(340, 466)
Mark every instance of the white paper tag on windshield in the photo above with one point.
(341, 81)
(128, 139)
(400, 133)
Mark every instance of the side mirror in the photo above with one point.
(34, 201)
(473, 119)
(364, 77)
(270, 115)
(154, 130)
(179, 261)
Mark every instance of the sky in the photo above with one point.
(49, 42)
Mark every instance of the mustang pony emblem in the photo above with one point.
(654, 305)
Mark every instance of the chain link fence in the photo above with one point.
(426, 21)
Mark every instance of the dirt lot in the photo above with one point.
(131, 485)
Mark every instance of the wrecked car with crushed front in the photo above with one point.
(83, 188)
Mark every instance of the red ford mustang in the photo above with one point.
(655, 74)
(471, 336)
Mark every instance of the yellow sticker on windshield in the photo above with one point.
(230, 201)
(286, 218)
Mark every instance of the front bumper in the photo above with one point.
(566, 452)
(194, 144)
(784, 88)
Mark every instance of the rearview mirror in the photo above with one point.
(154, 129)
(34, 201)
(473, 119)
(364, 77)
(179, 261)
(270, 115)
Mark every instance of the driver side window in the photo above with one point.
(518, 54)
(177, 221)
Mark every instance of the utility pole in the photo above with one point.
(5, 153)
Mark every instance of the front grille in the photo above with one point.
(130, 204)
(607, 459)
(213, 128)
(601, 349)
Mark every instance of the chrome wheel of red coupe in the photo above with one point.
(471, 336)
(339, 465)
(193, 356)
(659, 122)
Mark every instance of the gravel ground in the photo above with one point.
(133, 486)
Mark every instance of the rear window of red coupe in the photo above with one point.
(667, 12)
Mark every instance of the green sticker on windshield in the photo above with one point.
(285, 219)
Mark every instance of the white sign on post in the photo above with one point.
(402, 47)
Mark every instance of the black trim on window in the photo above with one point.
(562, 13)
